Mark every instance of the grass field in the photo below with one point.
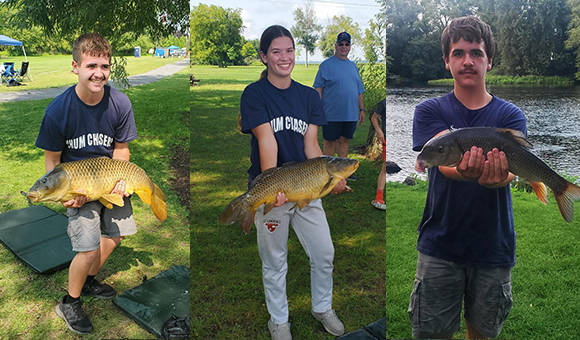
(56, 70)
(228, 298)
(544, 281)
(28, 300)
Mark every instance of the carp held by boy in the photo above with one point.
(448, 150)
(96, 178)
(301, 182)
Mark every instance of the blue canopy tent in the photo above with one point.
(7, 41)
(4, 40)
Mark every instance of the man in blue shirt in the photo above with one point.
(466, 238)
(341, 89)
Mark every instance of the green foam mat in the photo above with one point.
(373, 331)
(37, 236)
(158, 299)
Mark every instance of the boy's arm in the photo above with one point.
(121, 151)
(51, 159)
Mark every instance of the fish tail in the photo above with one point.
(158, 204)
(566, 200)
(238, 211)
(540, 190)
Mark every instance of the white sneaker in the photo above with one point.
(330, 322)
(280, 331)
(379, 205)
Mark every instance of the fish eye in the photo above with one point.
(440, 149)
(44, 180)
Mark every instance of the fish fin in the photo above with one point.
(325, 188)
(518, 136)
(302, 203)
(247, 222)
(106, 203)
(158, 204)
(566, 201)
(540, 190)
(268, 206)
(238, 211)
(116, 199)
(144, 195)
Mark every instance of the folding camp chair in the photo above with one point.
(24, 72)
(9, 72)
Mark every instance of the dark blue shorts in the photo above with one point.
(334, 130)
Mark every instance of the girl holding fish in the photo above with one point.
(283, 116)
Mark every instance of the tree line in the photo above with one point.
(216, 35)
(533, 37)
(50, 27)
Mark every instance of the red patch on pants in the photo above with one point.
(271, 225)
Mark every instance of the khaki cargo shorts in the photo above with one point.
(88, 223)
(441, 286)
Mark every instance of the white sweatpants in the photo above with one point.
(312, 229)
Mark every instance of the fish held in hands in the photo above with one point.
(301, 182)
(448, 150)
(96, 178)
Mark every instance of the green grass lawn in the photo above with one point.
(56, 70)
(545, 279)
(28, 300)
(228, 299)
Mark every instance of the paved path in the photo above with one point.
(136, 80)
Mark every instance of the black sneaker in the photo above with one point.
(351, 178)
(98, 290)
(74, 316)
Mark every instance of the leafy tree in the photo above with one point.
(531, 37)
(249, 53)
(305, 28)
(336, 25)
(573, 41)
(216, 34)
(112, 18)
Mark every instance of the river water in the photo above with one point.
(553, 118)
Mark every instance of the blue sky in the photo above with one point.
(259, 14)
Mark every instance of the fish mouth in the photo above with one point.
(420, 166)
(30, 196)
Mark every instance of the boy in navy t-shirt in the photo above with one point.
(466, 238)
(89, 120)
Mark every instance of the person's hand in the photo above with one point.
(120, 189)
(76, 202)
(380, 136)
(361, 117)
(495, 169)
(471, 166)
(339, 187)
(281, 199)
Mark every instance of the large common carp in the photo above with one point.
(448, 149)
(301, 182)
(97, 177)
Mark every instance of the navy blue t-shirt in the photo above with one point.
(289, 112)
(82, 131)
(465, 222)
